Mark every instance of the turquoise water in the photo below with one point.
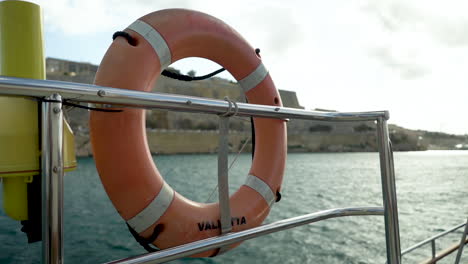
(432, 195)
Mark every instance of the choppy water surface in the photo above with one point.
(432, 195)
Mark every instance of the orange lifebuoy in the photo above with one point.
(120, 148)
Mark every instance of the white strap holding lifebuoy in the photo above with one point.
(262, 188)
(144, 219)
(254, 78)
(155, 39)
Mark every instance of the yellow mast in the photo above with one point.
(21, 55)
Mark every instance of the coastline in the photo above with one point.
(171, 132)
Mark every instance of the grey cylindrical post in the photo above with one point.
(392, 233)
(223, 183)
(52, 180)
(433, 249)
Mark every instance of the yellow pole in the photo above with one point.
(21, 55)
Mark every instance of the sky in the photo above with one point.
(406, 56)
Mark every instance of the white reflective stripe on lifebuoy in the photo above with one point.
(254, 78)
(155, 39)
(144, 219)
(262, 188)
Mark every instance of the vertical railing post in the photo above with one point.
(223, 182)
(52, 180)
(433, 249)
(462, 243)
(392, 233)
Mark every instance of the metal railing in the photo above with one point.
(52, 162)
(230, 238)
(432, 241)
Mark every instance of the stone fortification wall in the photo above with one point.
(179, 132)
(162, 141)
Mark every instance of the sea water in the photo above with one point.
(432, 189)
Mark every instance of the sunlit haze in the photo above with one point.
(406, 56)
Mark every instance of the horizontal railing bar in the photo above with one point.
(444, 253)
(422, 243)
(106, 95)
(230, 238)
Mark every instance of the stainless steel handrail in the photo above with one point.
(121, 97)
(230, 238)
(107, 95)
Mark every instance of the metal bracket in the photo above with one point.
(223, 175)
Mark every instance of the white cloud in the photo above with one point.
(427, 44)
(81, 17)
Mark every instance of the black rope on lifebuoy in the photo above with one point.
(68, 103)
(186, 78)
(146, 242)
(257, 51)
(278, 196)
(125, 35)
(170, 74)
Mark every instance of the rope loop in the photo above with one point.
(229, 112)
